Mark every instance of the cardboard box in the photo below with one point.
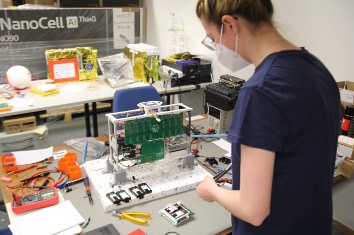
(19, 124)
(73, 3)
(6, 3)
(346, 89)
(41, 2)
(27, 33)
(120, 3)
(346, 168)
(346, 146)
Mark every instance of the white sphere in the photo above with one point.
(19, 77)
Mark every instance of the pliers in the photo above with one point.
(130, 216)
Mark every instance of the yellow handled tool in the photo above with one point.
(130, 216)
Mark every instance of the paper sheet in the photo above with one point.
(75, 87)
(32, 156)
(224, 145)
(56, 219)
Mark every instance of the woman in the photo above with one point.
(285, 125)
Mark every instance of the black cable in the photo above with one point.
(206, 166)
(224, 172)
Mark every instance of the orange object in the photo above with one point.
(24, 168)
(74, 172)
(8, 162)
(56, 70)
(64, 162)
(68, 163)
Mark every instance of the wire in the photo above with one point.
(206, 166)
(208, 135)
(221, 174)
(154, 115)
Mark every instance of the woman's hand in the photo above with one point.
(206, 189)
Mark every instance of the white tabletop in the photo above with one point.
(96, 91)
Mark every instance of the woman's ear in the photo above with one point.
(229, 23)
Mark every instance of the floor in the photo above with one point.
(61, 131)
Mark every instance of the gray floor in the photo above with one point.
(61, 131)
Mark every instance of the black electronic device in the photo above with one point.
(193, 73)
(223, 95)
(124, 196)
(137, 192)
(114, 198)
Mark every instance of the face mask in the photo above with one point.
(229, 58)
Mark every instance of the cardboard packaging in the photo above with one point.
(20, 124)
(73, 3)
(346, 89)
(120, 3)
(6, 3)
(346, 168)
(41, 2)
(346, 146)
(98, 3)
(27, 33)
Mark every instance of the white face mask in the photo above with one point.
(229, 58)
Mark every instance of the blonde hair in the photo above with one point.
(254, 11)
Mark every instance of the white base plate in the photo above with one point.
(163, 177)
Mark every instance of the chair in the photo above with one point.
(5, 231)
(127, 99)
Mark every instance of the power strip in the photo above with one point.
(168, 71)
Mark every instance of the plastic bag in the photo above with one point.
(116, 69)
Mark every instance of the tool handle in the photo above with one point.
(140, 214)
(25, 168)
(134, 220)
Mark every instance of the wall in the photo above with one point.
(324, 27)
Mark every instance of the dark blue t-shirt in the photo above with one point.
(291, 106)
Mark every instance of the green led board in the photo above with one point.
(152, 151)
(141, 130)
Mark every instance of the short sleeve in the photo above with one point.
(259, 120)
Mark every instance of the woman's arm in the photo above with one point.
(252, 202)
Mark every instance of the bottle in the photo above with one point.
(348, 121)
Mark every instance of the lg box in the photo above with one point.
(120, 3)
(73, 3)
(25, 34)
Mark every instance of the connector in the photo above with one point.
(171, 71)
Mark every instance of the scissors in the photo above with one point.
(130, 216)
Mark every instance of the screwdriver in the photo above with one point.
(88, 191)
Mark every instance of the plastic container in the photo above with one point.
(67, 161)
(8, 162)
(348, 121)
(74, 172)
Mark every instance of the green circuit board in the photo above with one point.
(146, 129)
(152, 151)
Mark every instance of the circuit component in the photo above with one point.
(114, 198)
(225, 160)
(152, 151)
(141, 130)
(176, 213)
(145, 188)
(124, 196)
(137, 192)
